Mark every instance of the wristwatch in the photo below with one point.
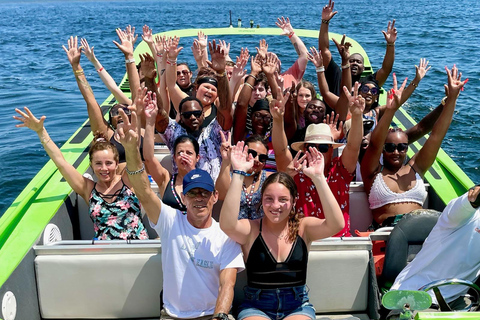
(220, 316)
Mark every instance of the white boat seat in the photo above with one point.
(115, 280)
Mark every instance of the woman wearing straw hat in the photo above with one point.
(339, 171)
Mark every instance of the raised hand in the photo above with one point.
(315, 57)
(197, 51)
(256, 64)
(224, 47)
(29, 120)
(314, 165)
(391, 33)
(327, 11)
(239, 70)
(147, 35)
(150, 103)
(225, 146)
(147, 66)
(87, 50)
(262, 48)
(218, 55)
(240, 158)
(130, 32)
(277, 106)
(395, 94)
(172, 48)
(356, 103)
(285, 25)
(202, 39)
(73, 52)
(139, 103)
(127, 134)
(280, 80)
(295, 166)
(160, 45)
(270, 64)
(331, 120)
(455, 83)
(126, 44)
(343, 48)
(421, 69)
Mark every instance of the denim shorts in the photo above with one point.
(276, 304)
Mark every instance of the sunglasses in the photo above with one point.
(367, 126)
(374, 91)
(116, 112)
(202, 193)
(261, 157)
(188, 114)
(266, 117)
(391, 147)
(322, 148)
(184, 72)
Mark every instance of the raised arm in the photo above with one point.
(127, 40)
(290, 116)
(370, 161)
(97, 121)
(77, 182)
(218, 54)
(199, 50)
(425, 157)
(238, 230)
(159, 174)
(298, 44)
(321, 228)
(239, 72)
(104, 75)
(283, 156)
(317, 59)
(161, 59)
(176, 94)
(268, 67)
(224, 179)
(356, 105)
(323, 38)
(129, 136)
(387, 65)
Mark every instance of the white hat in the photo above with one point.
(317, 134)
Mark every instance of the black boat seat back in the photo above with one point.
(405, 241)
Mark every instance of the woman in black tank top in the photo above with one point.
(276, 246)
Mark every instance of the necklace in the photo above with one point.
(180, 204)
(249, 196)
(279, 237)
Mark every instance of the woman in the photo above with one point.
(114, 208)
(276, 246)
(396, 187)
(253, 182)
(305, 93)
(185, 156)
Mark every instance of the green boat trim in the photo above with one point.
(24, 221)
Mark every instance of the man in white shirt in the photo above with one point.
(199, 261)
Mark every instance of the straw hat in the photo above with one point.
(317, 134)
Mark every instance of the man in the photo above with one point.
(450, 251)
(200, 262)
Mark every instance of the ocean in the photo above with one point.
(35, 71)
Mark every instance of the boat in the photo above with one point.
(50, 268)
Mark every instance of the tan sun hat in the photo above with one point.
(317, 134)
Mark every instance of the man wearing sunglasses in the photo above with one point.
(198, 257)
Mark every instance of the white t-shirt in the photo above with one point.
(450, 251)
(191, 263)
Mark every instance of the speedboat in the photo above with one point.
(50, 268)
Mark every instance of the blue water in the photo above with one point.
(35, 71)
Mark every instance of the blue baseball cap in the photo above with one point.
(198, 178)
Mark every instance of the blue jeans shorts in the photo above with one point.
(276, 304)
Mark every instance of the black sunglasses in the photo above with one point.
(391, 147)
(322, 148)
(116, 111)
(184, 72)
(188, 114)
(367, 126)
(374, 91)
(261, 157)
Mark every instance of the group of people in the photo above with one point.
(262, 142)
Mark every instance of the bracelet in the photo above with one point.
(129, 60)
(78, 71)
(320, 69)
(137, 171)
(242, 173)
(413, 84)
(444, 101)
(251, 75)
(100, 70)
(290, 35)
(346, 66)
(171, 62)
(325, 21)
(159, 55)
(45, 142)
(221, 75)
(390, 44)
(249, 85)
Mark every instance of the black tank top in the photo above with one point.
(210, 118)
(264, 272)
(121, 149)
(171, 197)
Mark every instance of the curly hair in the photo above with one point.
(294, 217)
(100, 143)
